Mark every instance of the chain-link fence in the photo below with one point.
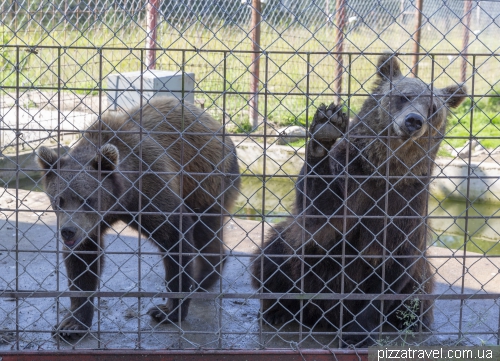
(240, 213)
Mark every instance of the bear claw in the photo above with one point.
(71, 329)
(163, 314)
(357, 336)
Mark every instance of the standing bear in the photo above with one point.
(360, 214)
(167, 171)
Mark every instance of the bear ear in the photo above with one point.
(388, 66)
(108, 156)
(47, 158)
(454, 95)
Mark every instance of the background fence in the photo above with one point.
(55, 59)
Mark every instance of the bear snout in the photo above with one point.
(69, 235)
(414, 122)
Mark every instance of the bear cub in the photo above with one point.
(165, 170)
(360, 213)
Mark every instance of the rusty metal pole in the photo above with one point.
(416, 37)
(340, 23)
(402, 12)
(465, 43)
(254, 65)
(151, 25)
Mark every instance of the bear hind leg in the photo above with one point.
(208, 241)
(274, 274)
(176, 249)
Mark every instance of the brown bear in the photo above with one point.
(360, 214)
(167, 171)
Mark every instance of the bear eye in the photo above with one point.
(88, 203)
(404, 98)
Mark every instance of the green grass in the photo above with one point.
(485, 119)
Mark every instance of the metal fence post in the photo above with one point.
(254, 65)
(416, 37)
(465, 42)
(340, 22)
(151, 25)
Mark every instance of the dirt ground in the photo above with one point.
(30, 260)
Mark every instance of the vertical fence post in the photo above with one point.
(401, 12)
(254, 65)
(151, 24)
(416, 37)
(16, 16)
(65, 12)
(340, 22)
(465, 43)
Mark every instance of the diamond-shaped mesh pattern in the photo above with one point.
(244, 213)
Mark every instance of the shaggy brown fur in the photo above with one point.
(360, 210)
(144, 168)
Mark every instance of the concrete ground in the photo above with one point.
(229, 323)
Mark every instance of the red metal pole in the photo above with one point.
(255, 66)
(465, 43)
(189, 355)
(151, 25)
(416, 37)
(340, 23)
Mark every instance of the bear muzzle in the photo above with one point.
(69, 236)
(414, 122)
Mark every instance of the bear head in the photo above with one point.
(411, 108)
(83, 188)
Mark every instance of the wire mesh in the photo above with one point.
(56, 62)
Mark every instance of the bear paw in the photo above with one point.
(165, 314)
(357, 337)
(329, 124)
(71, 328)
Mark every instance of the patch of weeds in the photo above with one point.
(485, 120)
(30, 104)
(296, 120)
(409, 317)
(443, 152)
(243, 126)
(297, 144)
(386, 341)
(493, 101)
(86, 91)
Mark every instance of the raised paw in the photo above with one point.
(329, 124)
(71, 328)
(167, 313)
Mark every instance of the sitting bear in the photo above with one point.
(167, 171)
(360, 214)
